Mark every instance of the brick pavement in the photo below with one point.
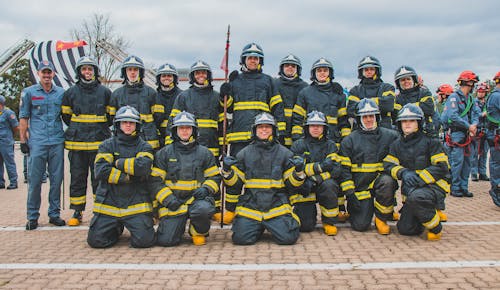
(62, 260)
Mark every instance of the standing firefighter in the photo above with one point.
(373, 87)
(138, 95)
(322, 168)
(122, 167)
(203, 102)
(83, 110)
(289, 85)
(185, 182)
(167, 91)
(479, 145)
(461, 116)
(323, 95)
(366, 187)
(493, 110)
(9, 125)
(421, 164)
(410, 91)
(267, 172)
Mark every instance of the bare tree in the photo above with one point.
(96, 28)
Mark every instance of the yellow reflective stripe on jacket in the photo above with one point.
(207, 123)
(88, 119)
(212, 171)
(164, 123)
(288, 141)
(157, 172)
(241, 106)
(144, 154)
(106, 156)
(441, 157)
(391, 159)
(299, 198)
(215, 151)
(239, 136)
(383, 209)
(128, 165)
(76, 200)
(122, 212)
(363, 194)
(66, 110)
(388, 93)
(148, 118)
(264, 183)
(282, 126)
(288, 112)
(345, 132)
(345, 161)
(427, 176)
(367, 167)
(397, 106)
(232, 198)
(260, 216)
(346, 185)
(434, 222)
(114, 176)
(174, 112)
(274, 101)
(288, 175)
(395, 170)
(212, 184)
(444, 185)
(329, 212)
(163, 193)
(353, 98)
(162, 211)
(331, 120)
(342, 112)
(231, 181)
(154, 143)
(157, 108)
(82, 146)
(111, 110)
(309, 169)
(297, 130)
(183, 184)
(341, 200)
(299, 110)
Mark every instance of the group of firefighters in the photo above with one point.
(287, 146)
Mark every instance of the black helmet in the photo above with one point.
(264, 118)
(369, 61)
(366, 107)
(127, 113)
(291, 59)
(410, 111)
(252, 49)
(405, 71)
(322, 62)
(132, 61)
(200, 65)
(316, 118)
(167, 69)
(184, 119)
(86, 60)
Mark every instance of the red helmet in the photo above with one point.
(483, 87)
(497, 77)
(467, 76)
(445, 89)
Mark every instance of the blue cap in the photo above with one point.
(45, 64)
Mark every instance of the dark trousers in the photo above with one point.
(80, 162)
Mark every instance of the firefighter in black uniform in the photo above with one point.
(123, 167)
(322, 169)
(323, 95)
(373, 87)
(289, 85)
(249, 93)
(366, 187)
(83, 110)
(138, 95)
(167, 79)
(203, 102)
(406, 80)
(268, 173)
(420, 163)
(185, 182)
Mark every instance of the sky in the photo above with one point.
(439, 39)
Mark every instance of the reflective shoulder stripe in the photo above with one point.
(275, 100)
(299, 110)
(212, 171)
(66, 110)
(389, 93)
(106, 156)
(145, 154)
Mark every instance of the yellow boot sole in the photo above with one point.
(330, 230)
(73, 222)
(382, 227)
(199, 240)
(442, 216)
(433, 236)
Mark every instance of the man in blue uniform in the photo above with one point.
(8, 127)
(40, 107)
(493, 137)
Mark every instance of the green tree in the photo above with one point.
(14, 81)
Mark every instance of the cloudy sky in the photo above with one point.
(438, 38)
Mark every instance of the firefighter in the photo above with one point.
(185, 181)
(367, 188)
(249, 94)
(138, 95)
(420, 163)
(461, 116)
(167, 91)
(323, 95)
(373, 87)
(322, 169)
(267, 172)
(289, 84)
(83, 110)
(479, 146)
(9, 126)
(122, 167)
(493, 137)
(406, 80)
(203, 102)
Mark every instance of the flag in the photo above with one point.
(223, 64)
(63, 55)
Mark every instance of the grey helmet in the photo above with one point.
(366, 107)
(200, 65)
(264, 118)
(291, 59)
(322, 62)
(410, 111)
(86, 60)
(369, 61)
(127, 113)
(405, 71)
(167, 69)
(183, 119)
(316, 118)
(132, 61)
(252, 49)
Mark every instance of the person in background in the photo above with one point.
(9, 126)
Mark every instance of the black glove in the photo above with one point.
(201, 193)
(306, 187)
(225, 90)
(227, 162)
(174, 204)
(25, 148)
(353, 203)
(298, 162)
(411, 179)
(327, 165)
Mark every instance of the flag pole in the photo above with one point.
(224, 125)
